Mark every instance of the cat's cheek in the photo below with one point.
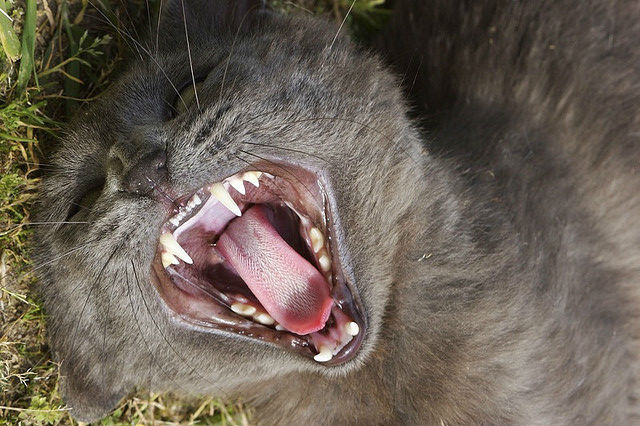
(87, 400)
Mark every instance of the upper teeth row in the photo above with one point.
(219, 191)
(185, 210)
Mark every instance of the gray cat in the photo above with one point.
(258, 215)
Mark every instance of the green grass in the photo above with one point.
(56, 55)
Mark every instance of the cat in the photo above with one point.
(446, 231)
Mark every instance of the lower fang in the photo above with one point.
(243, 309)
(168, 259)
(264, 319)
(352, 328)
(324, 355)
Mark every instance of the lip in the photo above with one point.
(210, 312)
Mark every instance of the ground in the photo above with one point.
(56, 56)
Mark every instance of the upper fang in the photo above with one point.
(218, 190)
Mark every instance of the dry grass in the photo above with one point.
(57, 55)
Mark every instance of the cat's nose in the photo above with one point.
(147, 174)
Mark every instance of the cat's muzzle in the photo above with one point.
(253, 255)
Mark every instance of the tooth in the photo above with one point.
(252, 177)
(324, 355)
(317, 240)
(168, 259)
(265, 319)
(280, 328)
(237, 184)
(197, 201)
(243, 309)
(325, 263)
(352, 328)
(174, 221)
(173, 247)
(221, 194)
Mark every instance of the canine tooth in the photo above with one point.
(218, 190)
(264, 319)
(243, 309)
(325, 263)
(169, 242)
(252, 177)
(324, 355)
(237, 184)
(168, 259)
(352, 328)
(174, 221)
(317, 239)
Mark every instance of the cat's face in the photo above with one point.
(223, 239)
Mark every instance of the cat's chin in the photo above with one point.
(253, 255)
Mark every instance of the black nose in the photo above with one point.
(149, 173)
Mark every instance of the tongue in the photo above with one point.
(292, 290)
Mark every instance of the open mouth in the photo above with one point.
(253, 255)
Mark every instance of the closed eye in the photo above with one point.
(186, 99)
(85, 202)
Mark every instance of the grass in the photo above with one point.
(55, 56)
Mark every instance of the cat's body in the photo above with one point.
(497, 253)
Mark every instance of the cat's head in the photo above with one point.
(227, 212)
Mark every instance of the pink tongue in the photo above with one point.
(292, 290)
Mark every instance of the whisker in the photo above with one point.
(20, 225)
(288, 149)
(186, 35)
(141, 334)
(231, 50)
(173, 86)
(158, 28)
(337, 118)
(31, 270)
(144, 301)
(86, 301)
(149, 19)
(342, 25)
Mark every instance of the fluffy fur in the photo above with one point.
(496, 247)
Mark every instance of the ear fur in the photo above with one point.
(88, 400)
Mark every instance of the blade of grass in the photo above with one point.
(8, 37)
(27, 66)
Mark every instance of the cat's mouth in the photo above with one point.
(252, 255)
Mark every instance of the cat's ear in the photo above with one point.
(205, 17)
(89, 399)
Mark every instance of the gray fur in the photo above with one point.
(496, 247)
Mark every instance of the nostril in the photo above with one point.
(149, 172)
